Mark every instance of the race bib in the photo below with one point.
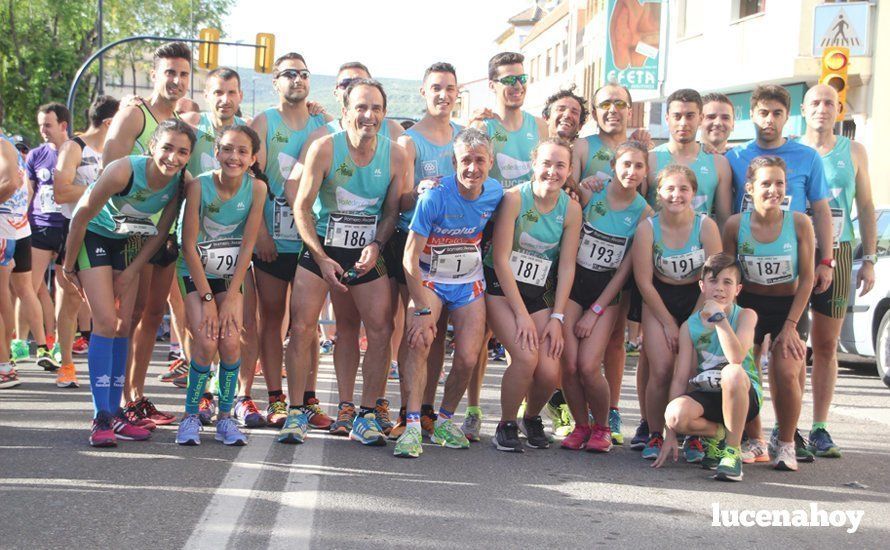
(47, 203)
(748, 203)
(708, 380)
(350, 230)
(600, 251)
(132, 225)
(767, 270)
(283, 226)
(681, 266)
(219, 257)
(532, 270)
(837, 224)
(451, 263)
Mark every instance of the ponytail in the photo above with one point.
(260, 175)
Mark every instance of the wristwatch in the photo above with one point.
(207, 297)
(828, 262)
(597, 309)
(559, 317)
(873, 258)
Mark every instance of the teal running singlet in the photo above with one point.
(599, 158)
(705, 174)
(203, 157)
(841, 177)
(772, 263)
(606, 234)
(512, 150)
(681, 263)
(431, 161)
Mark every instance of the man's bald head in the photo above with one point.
(820, 107)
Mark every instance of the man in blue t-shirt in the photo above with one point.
(443, 269)
(805, 185)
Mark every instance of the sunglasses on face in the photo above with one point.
(512, 79)
(607, 104)
(343, 84)
(292, 74)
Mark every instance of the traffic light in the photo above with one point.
(835, 62)
(265, 52)
(208, 50)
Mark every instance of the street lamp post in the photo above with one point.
(253, 95)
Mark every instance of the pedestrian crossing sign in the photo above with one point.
(845, 24)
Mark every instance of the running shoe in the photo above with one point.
(133, 415)
(19, 350)
(576, 440)
(400, 426)
(393, 370)
(785, 458)
(713, 452)
(521, 412)
(801, 448)
(410, 443)
(101, 434)
(126, 430)
(81, 346)
(56, 352)
(174, 354)
(641, 436)
(9, 379)
(499, 353)
(773, 445)
(653, 446)
(506, 437)
(177, 371)
(277, 411)
(631, 348)
(600, 440)
(246, 412)
(533, 430)
(327, 347)
(381, 413)
(471, 427)
(206, 409)
(442, 377)
(449, 435)
(228, 433)
(730, 467)
(148, 410)
(367, 431)
(754, 450)
(189, 431)
(822, 445)
(615, 427)
(345, 418)
(46, 360)
(296, 425)
(317, 418)
(66, 377)
(428, 424)
(693, 450)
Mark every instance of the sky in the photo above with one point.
(394, 38)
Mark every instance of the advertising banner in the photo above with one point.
(633, 44)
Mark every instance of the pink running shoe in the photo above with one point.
(101, 434)
(600, 440)
(576, 440)
(123, 429)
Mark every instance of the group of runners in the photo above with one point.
(513, 227)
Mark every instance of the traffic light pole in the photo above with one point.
(72, 92)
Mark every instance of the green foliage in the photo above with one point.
(44, 42)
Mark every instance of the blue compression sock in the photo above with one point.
(119, 351)
(198, 375)
(99, 360)
(228, 384)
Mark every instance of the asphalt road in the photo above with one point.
(333, 493)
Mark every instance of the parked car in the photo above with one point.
(866, 329)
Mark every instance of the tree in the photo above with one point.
(44, 42)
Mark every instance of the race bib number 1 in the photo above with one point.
(600, 251)
(452, 263)
(529, 269)
(219, 257)
(283, 227)
(350, 230)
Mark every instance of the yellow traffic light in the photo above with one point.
(208, 51)
(835, 63)
(265, 52)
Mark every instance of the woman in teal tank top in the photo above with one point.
(220, 220)
(668, 255)
(108, 233)
(776, 251)
(602, 266)
(536, 234)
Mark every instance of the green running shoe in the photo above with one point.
(46, 361)
(57, 353)
(713, 452)
(409, 444)
(563, 423)
(449, 435)
(19, 350)
(730, 466)
(296, 425)
(615, 427)
(822, 445)
(801, 448)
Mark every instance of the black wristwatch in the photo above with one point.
(207, 297)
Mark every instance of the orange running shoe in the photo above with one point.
(66, 377)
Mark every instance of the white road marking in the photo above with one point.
(881, 416)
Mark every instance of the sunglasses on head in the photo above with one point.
(292, 74)
(512, 79)
(343, 84)
(607, 104)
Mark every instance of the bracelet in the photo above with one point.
(559, 317)
(789, 319)
(69, 272)
(422, 312)
(378, 243)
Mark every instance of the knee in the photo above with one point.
(785, 375)
(229, 348)
(526, 360)
(203, 349)
(824, 347)
(660, 374)
(733, 378)
(465, 359)
(379, 329)
(673, 414)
